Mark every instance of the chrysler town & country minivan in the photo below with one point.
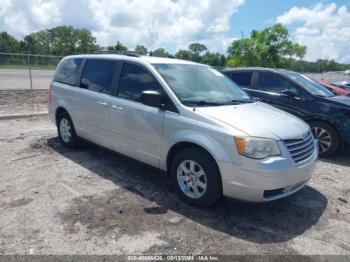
(186, 119)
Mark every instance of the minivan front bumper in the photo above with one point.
(265, 180)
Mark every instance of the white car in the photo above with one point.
(186, 119)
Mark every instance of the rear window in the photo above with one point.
(242, 79)
(98, 75)
(68, 71)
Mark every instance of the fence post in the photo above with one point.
(30, 71)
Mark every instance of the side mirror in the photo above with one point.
(289, 94)
(151, 98)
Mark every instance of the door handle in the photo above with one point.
(102, 103)
(117, 107)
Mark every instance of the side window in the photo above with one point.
(98, 75)
(134, 80)
(271, 82)
(68, 71)
(243, 79)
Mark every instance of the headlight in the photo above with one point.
(257, 148)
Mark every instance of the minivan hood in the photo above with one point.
(259, 120)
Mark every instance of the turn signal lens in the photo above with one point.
(241, 144)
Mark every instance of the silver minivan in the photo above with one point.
(187, 119)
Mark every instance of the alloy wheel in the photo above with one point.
(323, 137)
(65, 130)
(191, 179)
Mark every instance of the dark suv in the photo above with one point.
(328, 115)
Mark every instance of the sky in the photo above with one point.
(321, 25)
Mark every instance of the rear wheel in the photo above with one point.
(66, 130)
(327, 136)
(196, 177)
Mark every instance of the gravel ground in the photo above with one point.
(91, 201)
(23, 101)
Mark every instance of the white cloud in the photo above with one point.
(153, 23)
(323, 28)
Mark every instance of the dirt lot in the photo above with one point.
(91, 201)
(23, 101)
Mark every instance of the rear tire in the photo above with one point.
(196, 177)
(327, 136)
(66, 131)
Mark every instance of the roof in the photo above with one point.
(148, 59)
(253, 68)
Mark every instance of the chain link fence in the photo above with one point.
(26, 71)
(330, 77)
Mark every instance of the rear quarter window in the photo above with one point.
(68, 71)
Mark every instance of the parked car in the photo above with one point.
(186, 119)
(336, 90)
(344, 85)
(328, 115)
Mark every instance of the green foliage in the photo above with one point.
(270, 47)
(61, 40)
(141, 49)
(319, 66)
(266, 48)
(8, 44)
(196, 53)
(120, 47)
(184, 55)
(197, 48)
(160, 52)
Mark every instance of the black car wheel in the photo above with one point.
(327, 136)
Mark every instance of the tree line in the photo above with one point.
(270, 47)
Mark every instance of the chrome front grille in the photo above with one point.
(300, 149)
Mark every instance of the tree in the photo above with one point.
(120, 47)
(86, 42)
(213, 59)
(268, 47)
(61, 40)
(160, 52)
(183, 54)
(141, 49)
(8, 44)
(197, 48)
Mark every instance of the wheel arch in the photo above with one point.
(59, 111)
(327, 121)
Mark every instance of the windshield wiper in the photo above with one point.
(203, 103)
(237, 102)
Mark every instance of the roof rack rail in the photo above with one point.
(127, 53)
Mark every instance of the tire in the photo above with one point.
(194, 160)
(328, 138)
(66, 131)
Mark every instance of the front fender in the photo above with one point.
(206, 141)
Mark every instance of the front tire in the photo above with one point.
(66, 131)
(327, 136)
(196, 177)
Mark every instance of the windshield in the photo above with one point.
(200, 85)
(310, 85)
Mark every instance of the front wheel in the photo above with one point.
(327, 137)
(196, 177)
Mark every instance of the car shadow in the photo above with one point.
(273, 222)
